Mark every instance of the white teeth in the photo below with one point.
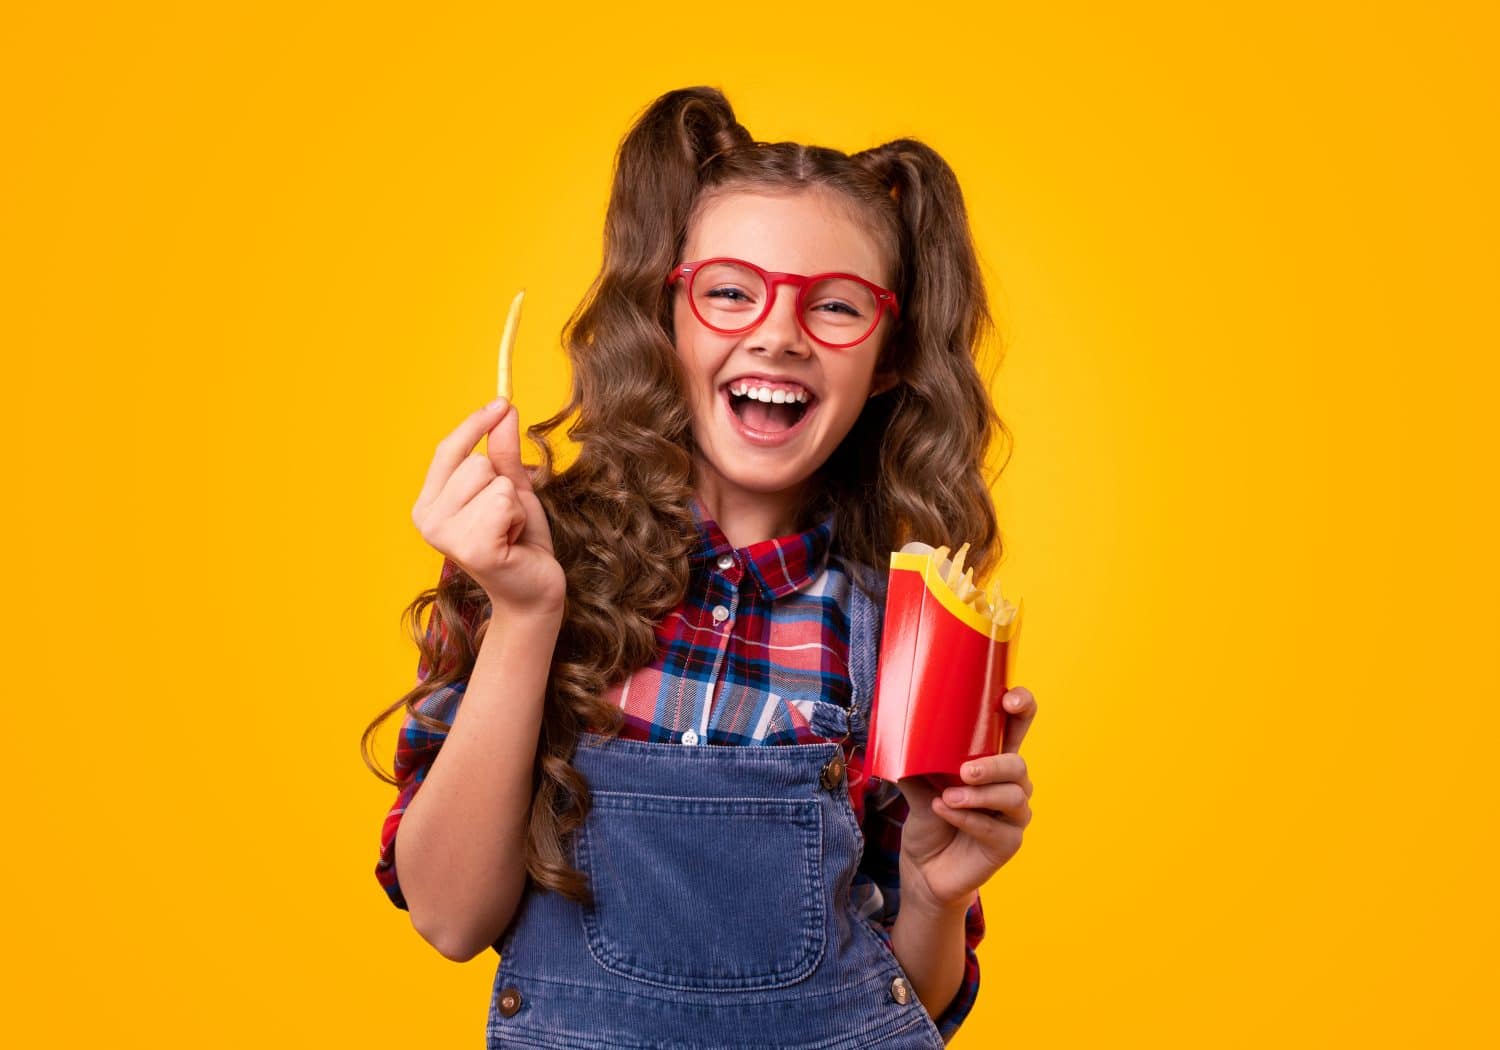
(767, 395)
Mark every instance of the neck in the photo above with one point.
(748, 517)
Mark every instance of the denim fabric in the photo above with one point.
(722, 916)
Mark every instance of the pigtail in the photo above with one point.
(945, 289)
(635, 398)
(939, 426)
(658, 172)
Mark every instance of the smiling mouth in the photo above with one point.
(768, 410)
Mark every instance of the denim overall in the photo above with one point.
(722, 914)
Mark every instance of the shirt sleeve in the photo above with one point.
(416, 747)
(877, 894)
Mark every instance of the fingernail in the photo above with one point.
(499, 402)
(956, 796)
(971, 770)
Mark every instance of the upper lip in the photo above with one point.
(755, 378)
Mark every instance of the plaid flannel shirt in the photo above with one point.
(762, 630)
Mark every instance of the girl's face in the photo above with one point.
(745, 446)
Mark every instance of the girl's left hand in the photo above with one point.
(954, 841)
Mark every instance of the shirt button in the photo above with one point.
(726, 561)
(690, 737)
(900, 991)
(720, 614)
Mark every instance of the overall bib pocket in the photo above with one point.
(708, 894)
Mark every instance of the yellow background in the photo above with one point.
(257, 263)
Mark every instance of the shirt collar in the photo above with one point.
(779, 566)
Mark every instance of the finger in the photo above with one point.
(537, 532)
(505, 509)
(478, 535)
(1020, 707)
(494, 518)
(452, 450)
(994, 769)
(503, 446)
(472, 475)
(999, 835)
(1022, 780)
(1010, 801)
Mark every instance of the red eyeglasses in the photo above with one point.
(730, 296)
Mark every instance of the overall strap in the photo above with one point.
(866, 615)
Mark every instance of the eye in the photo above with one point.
(835, 306)
(734, 295)
(841, 300)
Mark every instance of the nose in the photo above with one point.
(779, 332)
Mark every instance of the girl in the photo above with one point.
(645, 683)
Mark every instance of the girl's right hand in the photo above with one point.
(481, 511)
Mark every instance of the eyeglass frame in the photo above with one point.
(885, 299)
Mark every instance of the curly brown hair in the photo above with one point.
(620, 514)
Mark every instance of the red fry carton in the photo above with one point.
(945, 655)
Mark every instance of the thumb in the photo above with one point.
(503, 447)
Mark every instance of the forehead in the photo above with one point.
(803, 231)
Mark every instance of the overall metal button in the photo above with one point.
(726, 561)
(510, 1001)
(901, 991)
(833, 773)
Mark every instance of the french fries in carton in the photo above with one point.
(946, 651)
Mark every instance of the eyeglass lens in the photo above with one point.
(730, 297)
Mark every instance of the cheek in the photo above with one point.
(688, 352)
(854, 380)
(856, 377)
(698, 363)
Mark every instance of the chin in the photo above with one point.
(761, 483)
(771, 477)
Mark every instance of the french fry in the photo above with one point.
(982, 604)
(956, 571)
(508, 343)
(966, 589)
